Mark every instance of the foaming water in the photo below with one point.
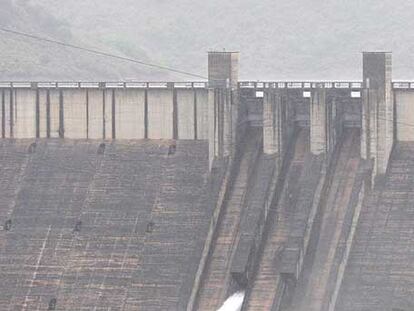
(233, 303)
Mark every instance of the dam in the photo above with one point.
(178, 195)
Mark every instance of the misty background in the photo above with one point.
(278, 40)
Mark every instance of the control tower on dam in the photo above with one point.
(153, 196)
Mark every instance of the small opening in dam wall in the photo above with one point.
(356, 94)
(32, 148)
(150, 227)
(78, 226)
(101, 149)
(259, 94)
(172, 149)
(52, 304)
(7, 225)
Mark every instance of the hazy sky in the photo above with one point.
(305, 39)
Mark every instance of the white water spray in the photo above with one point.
(233, 303)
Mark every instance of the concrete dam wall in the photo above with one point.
(177, 196)
(88, 111)
(120, 227)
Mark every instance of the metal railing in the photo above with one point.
(103, 85)
(354, 85)
(301, 85)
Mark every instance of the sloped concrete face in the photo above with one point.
(378, 275)
(116, 226)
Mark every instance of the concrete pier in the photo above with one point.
(318, 121)
(272, 103)
(223, 103)
(378, 109)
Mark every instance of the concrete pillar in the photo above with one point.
(212, 127)
(272, 122)
(7, 103)
(223, 69)
(318, 121)
(222, 103)
(44, 113)
(108, 105)
(377, 137)
(228, 131)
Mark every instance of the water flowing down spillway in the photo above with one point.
(233, 303)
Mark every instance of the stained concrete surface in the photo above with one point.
(80, 228)
(379, 271)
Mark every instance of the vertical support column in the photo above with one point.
(103, 114)
(48, 114)
(195, 114)
(272, 122)
(223, 106)
(377, 137)
(175, 113)
(146, 113)
(113, 114)
(37, 113)
(227, 123)
(61, 115)
(3, 114)
(87, 114)
(11, 111)
(212, 126)
(318, 121)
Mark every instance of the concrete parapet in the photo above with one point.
(105, 113)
